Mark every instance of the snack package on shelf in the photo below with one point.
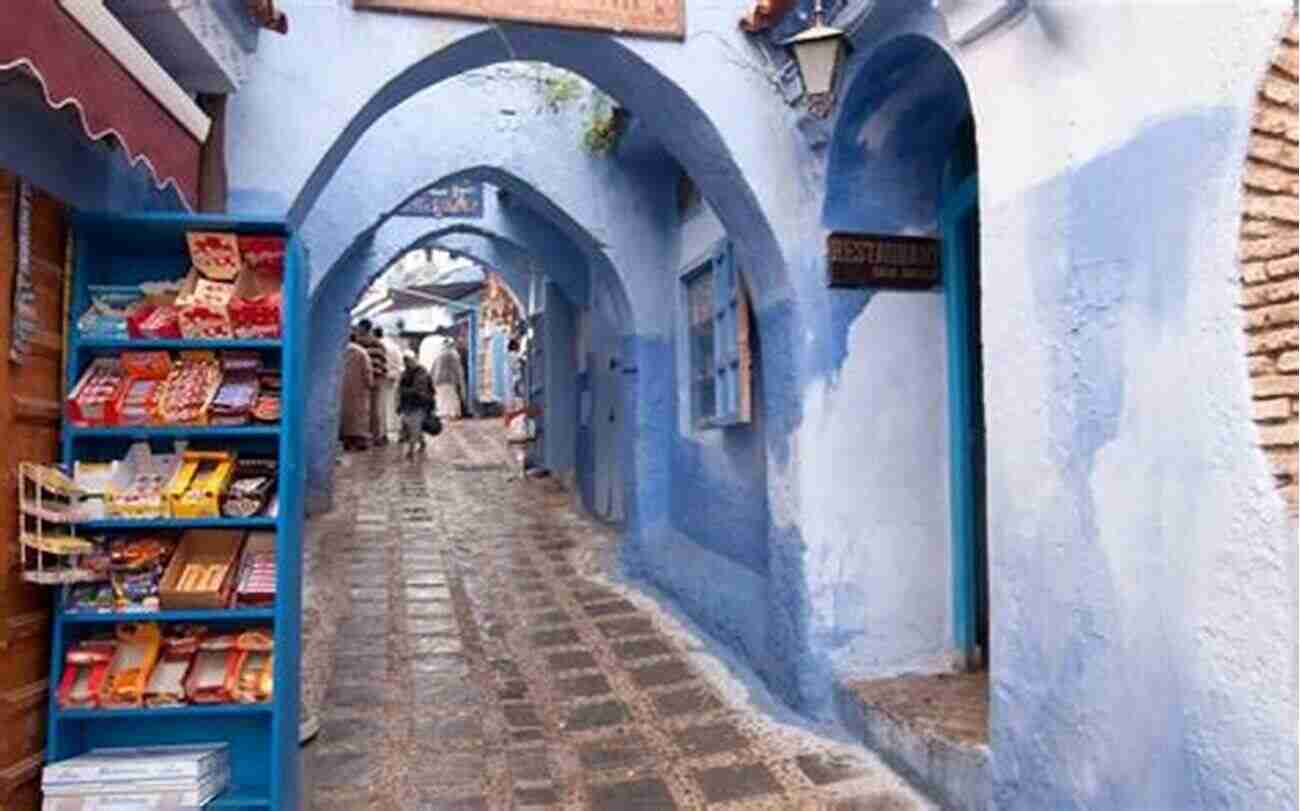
(202, 572)
(188, 390)
(111, 307)
(255, 680)
(138, 488)
(166, 686)
(215, 254)
(85, 668)
(267, 407)
(156, 317)
(255, 307)
(98, 388)
(214, 676)
(138, 646)
(94, 479)
(89, 598)
(136, 402)
(251, 488)
(200, 482)
(257, 571)
(137, 565)
(233, 404)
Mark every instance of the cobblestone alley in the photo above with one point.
(465, 650)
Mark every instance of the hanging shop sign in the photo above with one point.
(452, 200)
(651, 18)
(23, 326)
(871, 260)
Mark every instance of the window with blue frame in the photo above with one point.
(717, 334)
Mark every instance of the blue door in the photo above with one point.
(959, 230)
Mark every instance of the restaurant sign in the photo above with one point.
(652, 18)
(452, 200)
(869, 260)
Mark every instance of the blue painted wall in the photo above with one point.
(1143, 571)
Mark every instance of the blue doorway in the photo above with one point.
(959, 230)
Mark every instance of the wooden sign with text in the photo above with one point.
(868, 260)
(652, 18)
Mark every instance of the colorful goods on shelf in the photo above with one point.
(201, 574)
(139, 486)
(49, 504)
(189, 389)
(197, 388)
(111, 307)
(143, 664)
(256, 304)
(85, 670)
(99, 387)
(256, 583)
(196, 488)
(251, 487)
(233, 404)
(148, 778)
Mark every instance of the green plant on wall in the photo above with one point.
(558, 88)
(603, 127)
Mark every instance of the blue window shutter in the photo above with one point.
(726, 301)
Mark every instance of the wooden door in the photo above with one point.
(30, 395)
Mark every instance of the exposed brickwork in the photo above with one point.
(1269, 230)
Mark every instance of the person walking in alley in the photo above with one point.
(448, 381)
(386, 386)
(379, 369)
(415, 399)
(358, 382)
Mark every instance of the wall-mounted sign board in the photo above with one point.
(870, 260)
(650, 18)
(450, 200)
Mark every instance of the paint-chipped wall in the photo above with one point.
(1269, 264)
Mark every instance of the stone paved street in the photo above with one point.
(466, 649)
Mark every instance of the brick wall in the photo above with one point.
(1269, 273)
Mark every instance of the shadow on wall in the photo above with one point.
(1097, 648)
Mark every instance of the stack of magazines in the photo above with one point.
(145, 778)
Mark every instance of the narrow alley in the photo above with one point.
(481, 660)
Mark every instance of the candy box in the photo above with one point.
(202, 572)
(234, 400)
(257, 571)
(99, 386)
(203, 307)
(214, 676)
(250, 488)
(188, 390)
(138, 645)
(215, 255)
(137, 486)
(85, 668)
(255, 674)
(255, 305)
(195, 490)
(166, 686)
(262, 254)
(110, 310)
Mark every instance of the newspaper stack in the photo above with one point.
(143, 778)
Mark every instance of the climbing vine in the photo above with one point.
(603, 127)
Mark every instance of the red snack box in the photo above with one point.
(91, 400)
(84, 670)
(215, 255)
(154, 321)
(262, 254)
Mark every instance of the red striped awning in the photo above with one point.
(76, 70)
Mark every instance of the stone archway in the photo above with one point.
(1269, 263)
(376, 247)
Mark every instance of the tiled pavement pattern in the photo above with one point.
(465, 653)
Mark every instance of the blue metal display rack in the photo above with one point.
(263, 738)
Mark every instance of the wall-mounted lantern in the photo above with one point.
(817, 52)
